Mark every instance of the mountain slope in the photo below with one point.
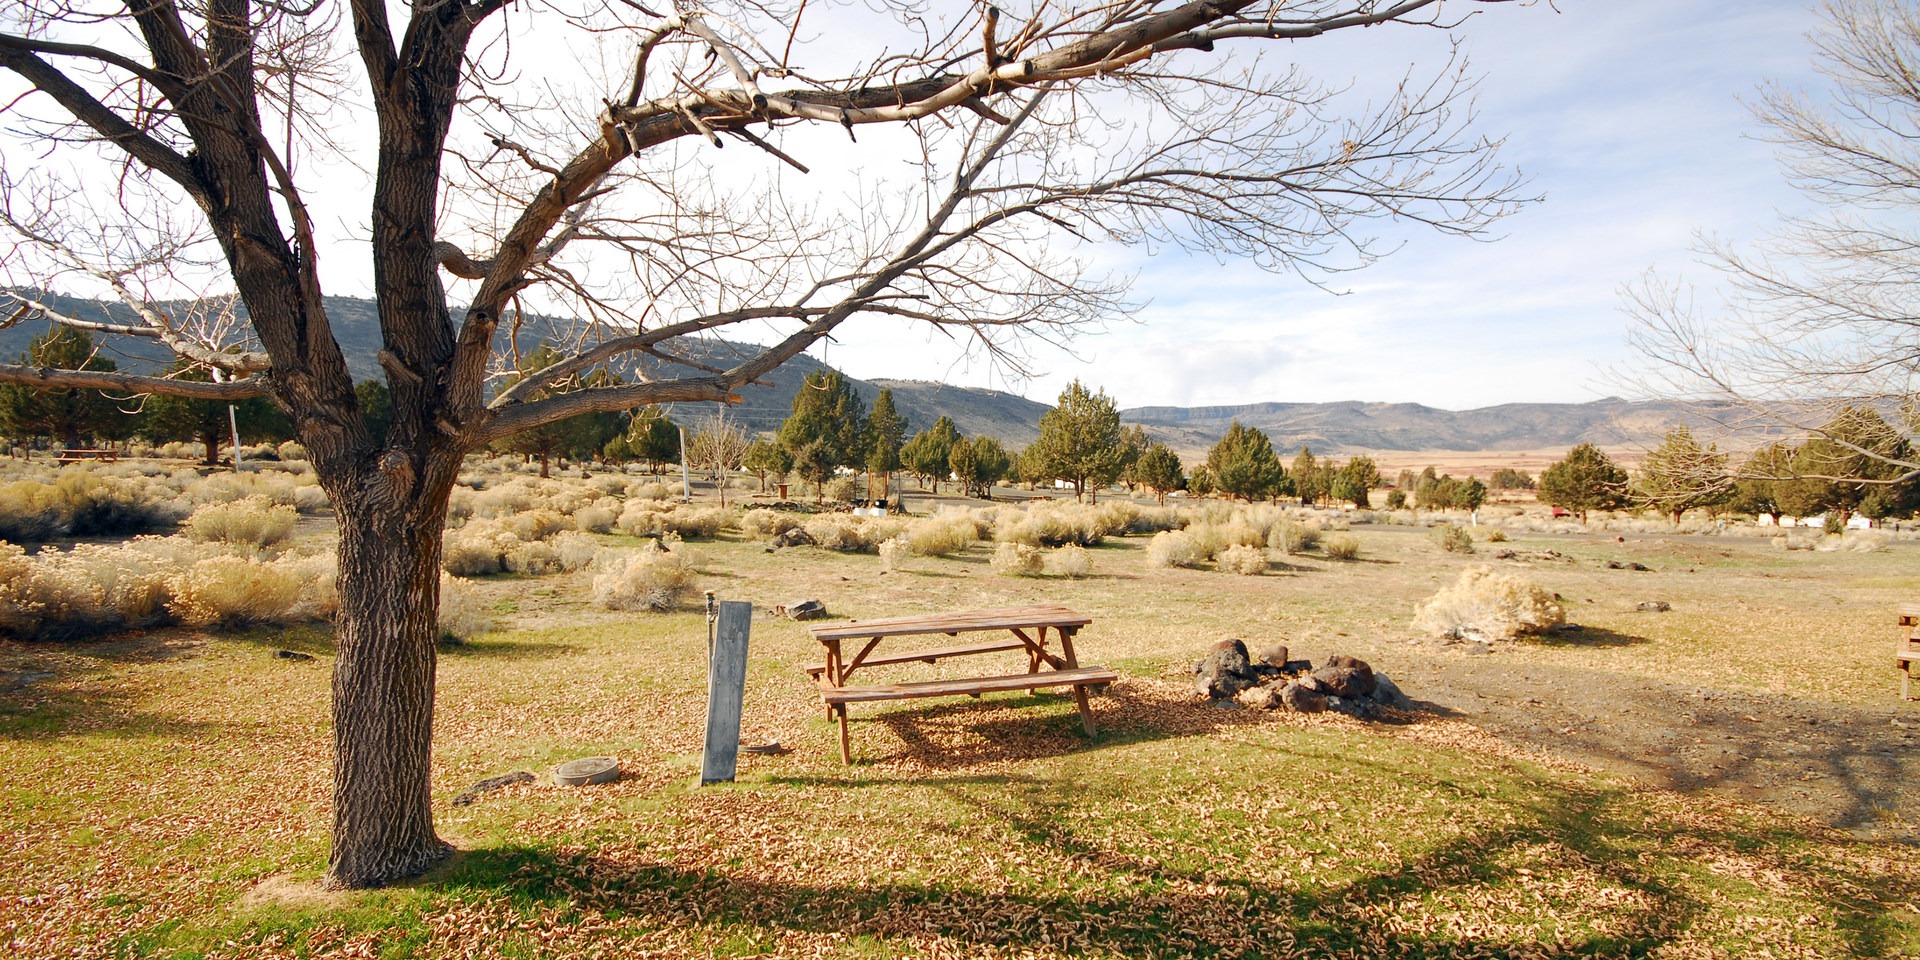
(1329, 428)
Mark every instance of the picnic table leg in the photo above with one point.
(1066, 645)
(846, 746)
(1086, 711)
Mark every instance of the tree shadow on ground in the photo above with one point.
(54, 692)
(1151, 896)
(1847, 766)
(957, 735)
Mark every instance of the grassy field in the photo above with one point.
(168, 790)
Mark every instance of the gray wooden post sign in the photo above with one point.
(726, 687)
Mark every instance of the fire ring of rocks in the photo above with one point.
(1274, 682)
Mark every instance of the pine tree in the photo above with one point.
(1354, 480)
(827, 411)
(1243, 464)
(1158, 469)
(927, 453)
(979, 463)
(1080, 440)
(886, 434)
(1585, 479)
(71, 416)
(164, 418)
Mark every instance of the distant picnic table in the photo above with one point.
(75, 455)
(1026, 628)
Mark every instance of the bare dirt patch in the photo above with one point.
(1846, 766)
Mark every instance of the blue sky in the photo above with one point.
(1629, 116)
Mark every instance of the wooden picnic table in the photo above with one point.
(74, 455)
(1907, 652)
(1028, 629)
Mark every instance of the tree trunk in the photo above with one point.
(383, 684)
(211, 441)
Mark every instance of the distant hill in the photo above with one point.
(1355, 427)
(1329, 428)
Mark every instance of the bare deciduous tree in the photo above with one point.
(1824, 314)
(206, 121)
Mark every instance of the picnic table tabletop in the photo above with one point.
(1003, 618)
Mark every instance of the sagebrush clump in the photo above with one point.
(1244, 560)
(462, 614)
(1485, 605)
(233, 592)
(1173, 548)
(1018, 560)
(894, 554)
(252, 522)
(1341, 546)
(1452, 539)
(1071, 561)
(650, 578)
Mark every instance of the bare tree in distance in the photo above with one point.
(1820, 316)
(1036, 134)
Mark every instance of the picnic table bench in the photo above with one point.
(75, 455)
(1028, 628)
(1907, 652)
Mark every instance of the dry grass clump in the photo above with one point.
(844, 489)
(34, 595)
(597, 517)
(839, 531)
(255, 523)
(233, 592)
(273, 485)
(1484, 605)
(1173, 548)
(1294, 537)
(1245, 560)
(309, 498)
(1154, 520)
(96, 588)
(894, 553)
(1854, 541)
(760, 522)
(943, 534)
(1452, 539)
(477, 549)
(647, 490)
(1071, 561)
(538, 523)
(462, 614)
(651, 578)
(575, 550)
(704, 523)
(82, 504)
(290, 450)
(1018, 559)
(1057, 524)
(1341, 546)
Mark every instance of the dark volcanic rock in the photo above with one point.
(490, 784)
(1654, 606)
(1387, 693)
(1298, 699)
(793, 538)
(1345, 677)
(1223, 672)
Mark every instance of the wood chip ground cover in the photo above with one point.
(169, 795)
